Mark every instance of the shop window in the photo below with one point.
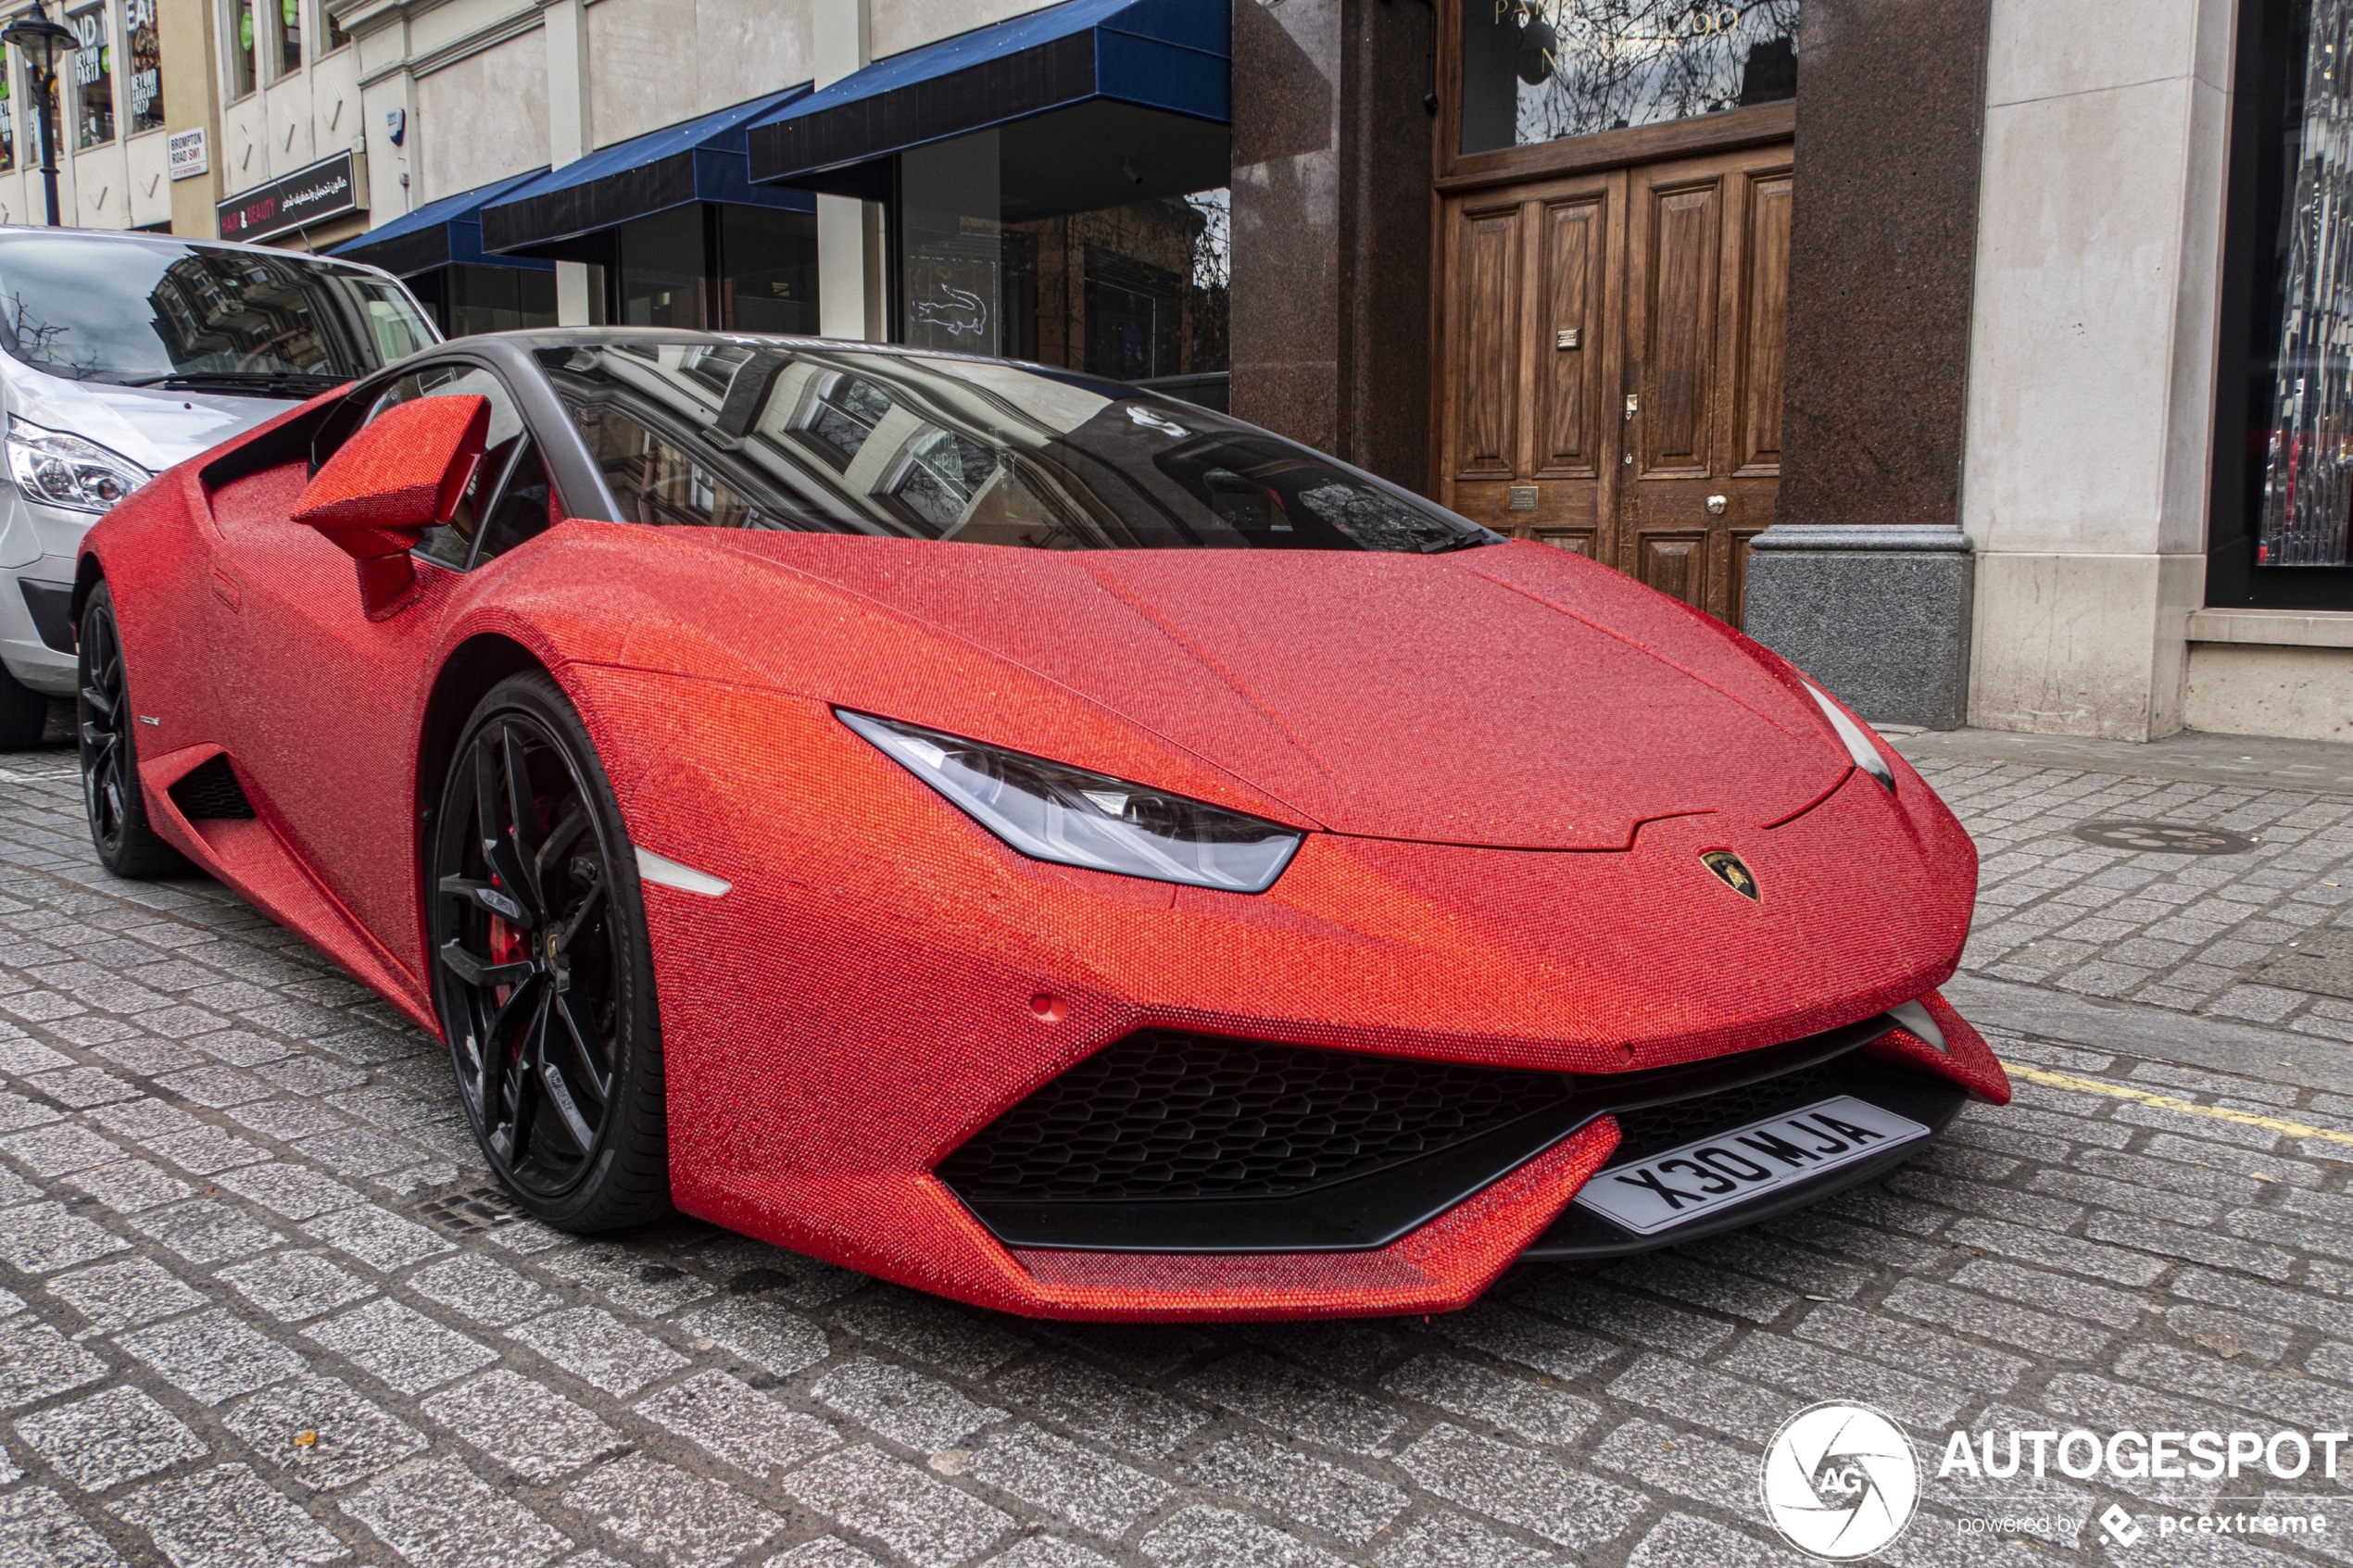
(498, 299)
(768, 271)
(336, 36)
(1536, 70)
(663, 269)
(93, 79)
(7, 115)
(1134, 290)
(289, 19)
(146, 65)
(2282, 531)
(239, 33)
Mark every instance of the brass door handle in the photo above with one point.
(1715, 505)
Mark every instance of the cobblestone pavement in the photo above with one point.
(259, 1311)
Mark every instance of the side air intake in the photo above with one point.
(211, 790)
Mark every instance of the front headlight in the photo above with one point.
(1051, 812)
(1860, 743)
(64, 471)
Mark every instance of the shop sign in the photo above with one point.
(327, 189)
(188, 158)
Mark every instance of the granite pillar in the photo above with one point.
(1865, 579)
(1331, 213)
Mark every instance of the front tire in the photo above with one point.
(108, 733)
(542, 975)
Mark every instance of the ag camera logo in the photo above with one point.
(1840, 1481)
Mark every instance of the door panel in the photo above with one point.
(1483, 318)
(1611, 369)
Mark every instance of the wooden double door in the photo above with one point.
(1610, 367)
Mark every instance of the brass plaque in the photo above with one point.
(1522, 499)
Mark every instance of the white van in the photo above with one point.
(122, 354)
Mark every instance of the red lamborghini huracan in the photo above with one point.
(1019, 835)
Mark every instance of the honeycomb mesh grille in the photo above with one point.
(211, 790)
(1169, 1115)
(1658, 1128)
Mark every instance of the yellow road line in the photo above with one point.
(2172, 1102)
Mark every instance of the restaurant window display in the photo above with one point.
(1133, 289)
(1536, 70)
(93, 75)
(2283, 519)
(146, 65)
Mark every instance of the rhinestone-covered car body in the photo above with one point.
(892, 1041)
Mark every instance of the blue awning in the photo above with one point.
(440, 233)
(1169, 59)
(702, 160)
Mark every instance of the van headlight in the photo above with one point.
(58, 469)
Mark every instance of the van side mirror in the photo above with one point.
(403, 472)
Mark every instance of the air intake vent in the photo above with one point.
(1164, 1114)
(211, 790)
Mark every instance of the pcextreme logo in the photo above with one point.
(1839, 1480)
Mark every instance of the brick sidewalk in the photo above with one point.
(258, 1310)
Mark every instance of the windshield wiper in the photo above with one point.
(242, 381)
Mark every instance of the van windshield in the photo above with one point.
(139, 313)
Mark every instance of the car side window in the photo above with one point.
(508, 496)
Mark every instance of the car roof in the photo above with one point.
(11, 231)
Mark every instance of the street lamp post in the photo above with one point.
(40, 42)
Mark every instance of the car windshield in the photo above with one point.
(743, 433)
(139, 313)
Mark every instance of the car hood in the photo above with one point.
(153, 427)
(1509, 695)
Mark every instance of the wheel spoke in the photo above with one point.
(490, 801)
(584, 1045)
(571, 822)
(558, 1095)
(480, 973)
(482, 896)
(523, 810)
(100, 701)
(592, 901)
(523, 1073)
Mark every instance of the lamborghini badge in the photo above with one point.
(1729, 870)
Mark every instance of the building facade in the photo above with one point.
(1983, 356)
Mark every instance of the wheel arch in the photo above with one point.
(465, 678)
(87, 574)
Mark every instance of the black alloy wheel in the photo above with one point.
(127, 843)
(542, 976)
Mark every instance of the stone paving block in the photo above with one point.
(2171, 1242)
(680, 1520)
(2230, 1334)
(207, 1151)
(291, 1191)
(2291, 1400)
(1547, 1346)
(205, 1232)
(1346, 1348)
(1520, 1487)
(905, 1406)
(1998, 1321)
(1493, 1399)
(349, 1439)
(598, 1349)
(211, 1357)
(2127, 1197)
(287, 1120)
(622, 1276)
(2027, 1245)
(1680, 1540)
(116, 1435)
(292, 1286)
(400, 1346)
(215, 1086)
(931, 1331)
(485, 1291)
(15, 1189)
(832, 1551)
(131, 1186)
(733, 1421)
(1687, 1280)
(238, 1048)
(142, 1119)
(39, 1529)
(61, 1146)
(1095, 1404)
(125, 1295)
(1315, 1492)
(1449, 1540)
(1900, 1345)
(40, 1238)
(378, 1237)
(1589, 1305)
(353, 1151)
(228, 1517)
(1703, 1397)
(526, 1426)
(921, 1518)
(762, 1332)
(1294, 1401)
(36, 1361)
(1667, 1460)
(436, 1513)
(1075, 1483)
(1202, 1536)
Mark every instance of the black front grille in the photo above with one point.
(1656, 1128)
(1164, 1114)
(211, 790)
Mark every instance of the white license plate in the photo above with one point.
(1741, 1162)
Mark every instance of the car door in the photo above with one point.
(325, 730)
